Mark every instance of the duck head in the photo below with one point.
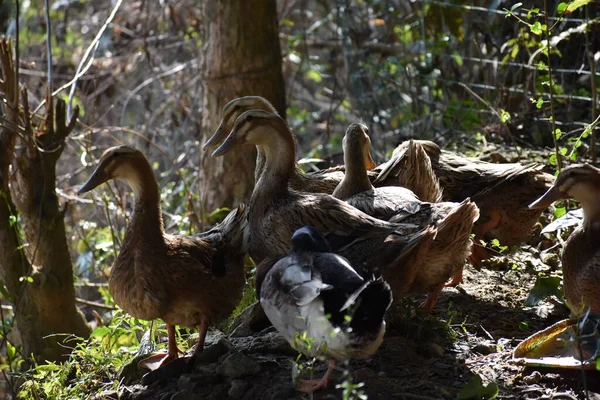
(232, 111)
(254, 127)
(119, 162)
(357, 145)
(309, 239)
(580, 182)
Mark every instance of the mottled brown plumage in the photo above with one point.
(449, 250)
(413, 170)
(194, 281)
(581, 254)
(501, 191)
(276, 211)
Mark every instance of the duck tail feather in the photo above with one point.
(235, 228)
(369, 305)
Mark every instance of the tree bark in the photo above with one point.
(241, 56)
(45, 304)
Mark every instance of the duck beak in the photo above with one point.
(97, 178)
(553, 194)
(229, 144)
(219, 135)
(369, 161)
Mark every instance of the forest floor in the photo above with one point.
(471, 332)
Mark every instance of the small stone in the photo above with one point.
(252, 319)
(238, 388)
(485, 348)
(435, 350)
(551, 259)
(212, 353)
(238, 365)
(535, 377)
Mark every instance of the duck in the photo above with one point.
(411, 169)
(193, 281)
(276, 211)
(581, 252)
(312, 294)
(454, 221)
(501, 191)
(322, 181)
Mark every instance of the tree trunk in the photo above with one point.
(39, 276)
(241, 56)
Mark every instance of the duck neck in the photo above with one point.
(146, 221)
(356, 180)
(279, 152)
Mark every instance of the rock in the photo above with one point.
(435, 350)
(238, 365)
(238, 388)
(212, 353)
(270, 342)
(535, 377)
(485, 348)
(252, 319)
(200, 377)
(278, 392)
(551, 259)
(170, 370)
(185, 395)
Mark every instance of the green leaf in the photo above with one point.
(11, 351)
(544, 287)
(474, 389)
(537, 28)
(557, 133)
(561, 8)
(539, 103)
(100, 331)
(559, 212)
(523, 326)
(504, 116)
(314, 75)
(575, 4)
(514, 7)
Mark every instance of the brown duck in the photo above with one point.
(501, 191)
(581, 253)
(454, 221)
(276, 211)
(194, 281)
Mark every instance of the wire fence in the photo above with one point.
(444, 69)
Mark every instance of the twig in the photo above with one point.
(48, 43)
(95, 304)
(81, 68)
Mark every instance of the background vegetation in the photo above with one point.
(468, 74)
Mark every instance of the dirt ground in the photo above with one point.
(472, 331)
